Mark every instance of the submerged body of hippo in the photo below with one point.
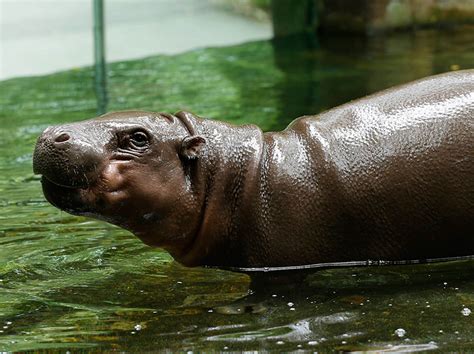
(388, 177)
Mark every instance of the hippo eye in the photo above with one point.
(138, 139)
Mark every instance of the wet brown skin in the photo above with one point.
(386, 177)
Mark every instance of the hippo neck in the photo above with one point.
(228, 170)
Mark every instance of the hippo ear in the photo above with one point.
(191, 146)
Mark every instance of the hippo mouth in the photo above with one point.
(71, 199)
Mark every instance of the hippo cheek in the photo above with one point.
(112, 194)
(115, 203)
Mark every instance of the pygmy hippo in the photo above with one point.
(389, 177)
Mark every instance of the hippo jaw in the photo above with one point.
(94, 199)
(69, 199)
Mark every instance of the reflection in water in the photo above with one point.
(336, 308)
(322, 73)
(288, 51)
(69, 282)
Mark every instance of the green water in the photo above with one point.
(70, 282)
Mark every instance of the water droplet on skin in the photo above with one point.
(466, 312)
(400, 332)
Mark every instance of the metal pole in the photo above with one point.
(99, 56)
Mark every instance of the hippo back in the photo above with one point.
(389, 176)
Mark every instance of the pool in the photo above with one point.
(73, 283)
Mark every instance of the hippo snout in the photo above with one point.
(65, 157)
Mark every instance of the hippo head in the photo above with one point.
(133, 169)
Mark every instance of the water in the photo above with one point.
(71, 282)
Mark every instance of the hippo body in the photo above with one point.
(388, 177)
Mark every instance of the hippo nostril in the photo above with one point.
(61, 138)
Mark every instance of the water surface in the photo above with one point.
(70, 282)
